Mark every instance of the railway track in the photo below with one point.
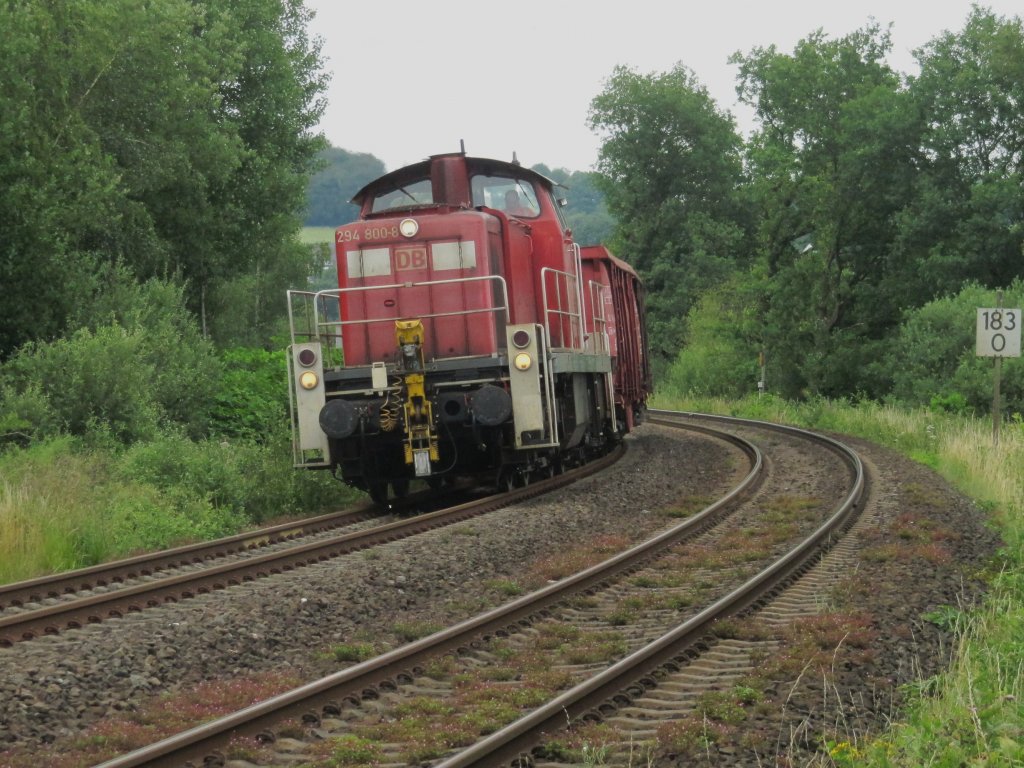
(182, 573)
(320, 704)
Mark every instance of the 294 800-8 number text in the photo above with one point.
(356, 234)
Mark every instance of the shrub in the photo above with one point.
(174, 464)
(128, 371)
(186, 366)
(252, 401)
(90, 378)
(933, 361)
(251, 481)
(720, 355)
(63, 506)
(26, 415)
(140, 517)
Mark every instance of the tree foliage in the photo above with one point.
(884, 206)
(832, 164)
(966, 218)
(173, 138)
(670, 168)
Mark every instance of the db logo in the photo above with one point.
(410, 258)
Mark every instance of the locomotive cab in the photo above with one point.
(463, 338)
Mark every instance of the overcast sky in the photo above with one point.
(411, 78)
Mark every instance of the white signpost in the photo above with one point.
(998, 336)
(998, 333)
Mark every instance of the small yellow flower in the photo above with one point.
(844, 750)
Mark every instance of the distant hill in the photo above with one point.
(330, 189)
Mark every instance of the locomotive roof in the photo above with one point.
(473, 165)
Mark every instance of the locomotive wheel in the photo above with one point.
(506, 479)
(511, 478)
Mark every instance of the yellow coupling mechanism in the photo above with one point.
(420, 435)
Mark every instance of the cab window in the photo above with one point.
(516, 197)
(404, 196)
(557, 204)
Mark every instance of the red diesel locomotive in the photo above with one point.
(469, 335)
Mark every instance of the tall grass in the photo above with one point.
(47, 502)
(973, 713)
(64, 505)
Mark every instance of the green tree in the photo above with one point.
(669, 167)
(174, 138)
(58, 189)
(966, 219)
(833, 162)
(268, 104)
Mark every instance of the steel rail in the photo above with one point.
(328, 694)
(513, 740)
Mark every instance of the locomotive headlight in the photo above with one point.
(521, 339)
(408, 227)
(308, 380)
(522, 361)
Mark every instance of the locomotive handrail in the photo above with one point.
(325, 330)
(577, 263)
(562, 311)
(312, 331)
(599, 338)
